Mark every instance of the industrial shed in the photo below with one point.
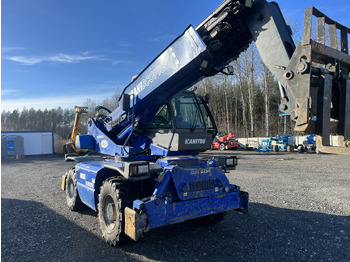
(35, 142)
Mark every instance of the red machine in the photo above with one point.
(225, 142)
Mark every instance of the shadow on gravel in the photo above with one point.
(33, 232)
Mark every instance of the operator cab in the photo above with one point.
(183, 124)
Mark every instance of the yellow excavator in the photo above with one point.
(69, 148)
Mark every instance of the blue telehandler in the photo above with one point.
(148, 174)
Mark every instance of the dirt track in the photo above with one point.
(299, 211)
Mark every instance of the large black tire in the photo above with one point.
(210, 219)
(72, 196)
(115, 194)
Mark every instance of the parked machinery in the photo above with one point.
(283, 143)
(265, 145)
(308, 145)
(69, 148)
(149, 176)
(225, 142)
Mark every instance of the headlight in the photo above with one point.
(226, 162)
(137, 168)
(143, 169)
(229, 161)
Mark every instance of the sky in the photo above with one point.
(62, 52)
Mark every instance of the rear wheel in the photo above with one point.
(72, 195)
(115, 194)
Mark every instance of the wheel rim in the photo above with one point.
(109, 212)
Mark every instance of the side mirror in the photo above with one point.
(229, 70)
(126, 102)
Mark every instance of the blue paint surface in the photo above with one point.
(86, 179)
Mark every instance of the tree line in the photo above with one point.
(58, 120)
(245, 103)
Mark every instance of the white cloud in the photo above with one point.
(51, 102)
(25, 60)
(65, 58)
(59, 58)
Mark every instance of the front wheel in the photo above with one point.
(115, 195)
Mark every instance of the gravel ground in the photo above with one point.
(299, 211)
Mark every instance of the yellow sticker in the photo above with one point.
(216, 189)
(185, 193)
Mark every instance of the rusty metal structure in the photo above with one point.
(315, 84)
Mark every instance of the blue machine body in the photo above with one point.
(90, 176)
(200, 190)
(186, 190)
